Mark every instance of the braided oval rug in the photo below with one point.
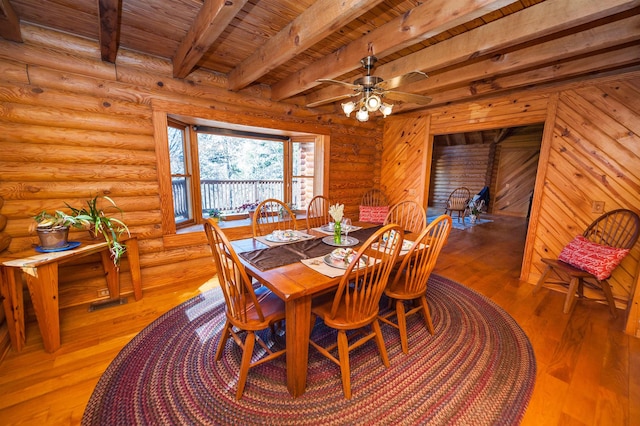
(477, 369)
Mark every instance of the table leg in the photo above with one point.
(298, 317)
(43, 287)
(111, 275)
(133, 254)
(11, 290)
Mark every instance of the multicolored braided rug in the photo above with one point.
(478, 369)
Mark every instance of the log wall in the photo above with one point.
(588, 153)
(72, 126)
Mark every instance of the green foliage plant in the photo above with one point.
(99, 222)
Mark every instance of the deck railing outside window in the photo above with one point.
(226, 195)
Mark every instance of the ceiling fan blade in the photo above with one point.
(401, 80)
(330, 100)
(342, 83)
(407, 97)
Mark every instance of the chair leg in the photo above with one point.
(543, 277)
(571, 295)
(402, 326)
(426, 313)
(608, 294)
(245, 364)
(343, 355)
(224, 335)
(380, 341)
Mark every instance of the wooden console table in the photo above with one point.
(40, 271)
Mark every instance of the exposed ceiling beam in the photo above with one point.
(540, 20)
(109, 12)
(9, 22)
(604, 37)
(211, 21)
(418, 24)
(320, 20)
(622, 60)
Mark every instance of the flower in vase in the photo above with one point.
(337, 211)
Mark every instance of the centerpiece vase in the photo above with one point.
(337, 233)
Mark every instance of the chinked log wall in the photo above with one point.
(588, 153)
(72, 126)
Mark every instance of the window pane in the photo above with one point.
(176, 150)
(181, 203)
(235, 171)
(303, 158)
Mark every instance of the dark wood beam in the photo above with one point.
(543, 19)
(320, 20)
(109, 12)
(420, 23)
(213, 18)
(9, 22)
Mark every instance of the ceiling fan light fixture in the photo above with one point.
(386, 109)
(362, 114)
(348, 108)
(373, 103)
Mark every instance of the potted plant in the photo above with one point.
(99, 223)
(474, 211)
(215, 214)
(53, 229)
(249, 207)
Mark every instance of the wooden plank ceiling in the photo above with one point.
(469, 48)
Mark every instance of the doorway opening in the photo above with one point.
(504, 161)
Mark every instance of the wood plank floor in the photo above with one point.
(588, 369)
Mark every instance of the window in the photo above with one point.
(227, 170)
(181, 179)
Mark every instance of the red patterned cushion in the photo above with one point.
(596, 259)
(373, 214)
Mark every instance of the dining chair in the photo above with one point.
(593, 256)
(354, 305)
(318, 212)
(409, 284)
(458, 201)
(374, 198)
(408, 214)
(247, 310)
(271, 215)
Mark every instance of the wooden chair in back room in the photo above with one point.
(458, 201)
(409, 284)
(271, 215)
(593, 256)
(248, 310)
(408, 214)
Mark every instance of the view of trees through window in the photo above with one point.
(237, 171)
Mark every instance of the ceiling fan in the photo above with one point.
(373, 90)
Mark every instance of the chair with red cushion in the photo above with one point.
(593, 256)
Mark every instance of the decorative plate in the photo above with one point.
(341, 264)
(345, 242)
(282, 237)
(406, 245)
(70, 245)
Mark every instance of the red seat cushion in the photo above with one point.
(596, 259)
(373, 214)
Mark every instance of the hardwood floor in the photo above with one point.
(588, 369)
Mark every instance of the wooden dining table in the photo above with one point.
(296, 284)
